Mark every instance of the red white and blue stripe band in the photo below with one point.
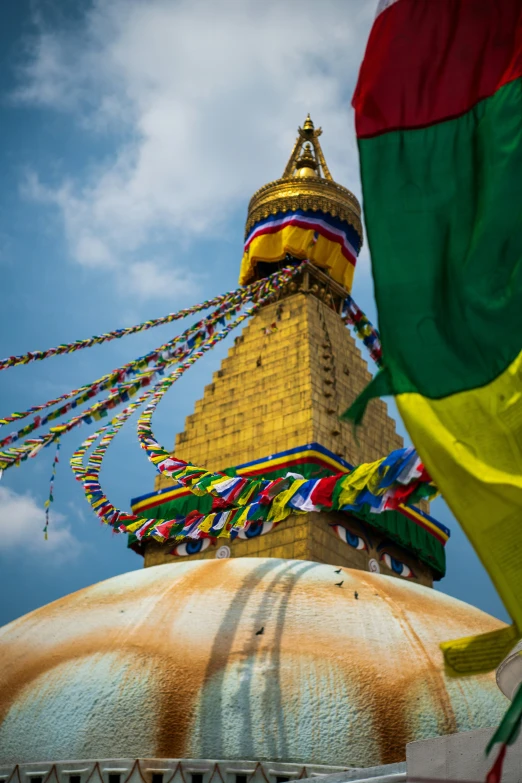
(326, 225)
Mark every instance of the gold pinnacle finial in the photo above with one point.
(306, 184)
(307, 159)
(308, 124)
(306, 164)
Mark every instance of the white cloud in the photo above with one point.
(45, 83)
(154, 279)
(21, 526)
(203, 99)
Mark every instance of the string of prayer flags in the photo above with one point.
(89, 475)
(370, 484)
(33, 356)
(162, 356)
(189, 340)
(353, 315)
(50, 499)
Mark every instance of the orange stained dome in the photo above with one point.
(260, 659)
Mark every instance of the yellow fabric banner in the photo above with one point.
(471, 443)
(477, 654)
(298, 242)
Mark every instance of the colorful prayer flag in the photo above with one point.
(438, 111)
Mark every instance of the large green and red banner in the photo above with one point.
(438, 111)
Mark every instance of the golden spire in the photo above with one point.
(306, 165)
(307, 148)
(306, 184)
(308, 124)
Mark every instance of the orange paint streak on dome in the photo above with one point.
(331, 680)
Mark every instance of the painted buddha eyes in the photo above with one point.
(357, 542)
(194, 547)
(256, 529)
(350, 538)
(191, 547)
(397, 566)
(260, 528)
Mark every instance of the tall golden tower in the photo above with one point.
(288, 377)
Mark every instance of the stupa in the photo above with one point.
(293, 650)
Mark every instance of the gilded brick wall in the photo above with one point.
(283, 389)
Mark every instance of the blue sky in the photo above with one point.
(133, 135)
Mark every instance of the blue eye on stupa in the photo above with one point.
(256, 529)
(397, 566)
(191, 547)
(350, 538)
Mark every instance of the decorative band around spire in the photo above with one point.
(304, 214)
